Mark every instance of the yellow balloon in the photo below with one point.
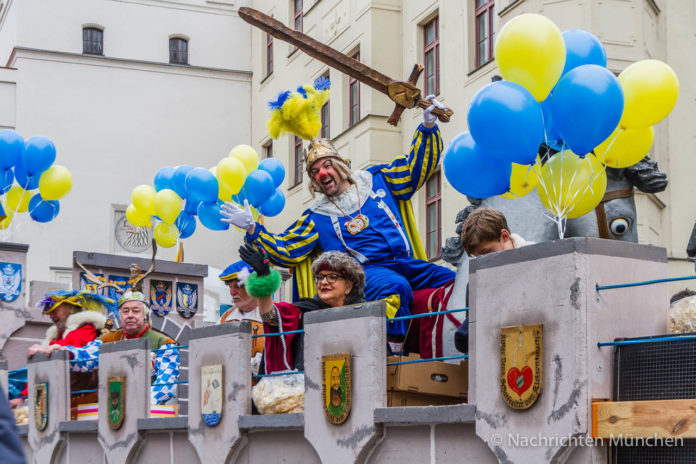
(248, 157)
(137, 218)
(651, 89)
(231, 173)
(9, 214)
(522, 181)
(625, 147)
(18, 199)
(55, 183)
(571, 186)
(143, 197)
(167, 205)
(530, 51)
(165, 235)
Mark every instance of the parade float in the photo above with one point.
(567, 360)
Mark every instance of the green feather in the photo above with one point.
(263, 286)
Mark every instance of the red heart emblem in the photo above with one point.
(520, 381)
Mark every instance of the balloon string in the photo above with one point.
(602, 169)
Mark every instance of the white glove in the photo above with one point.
(233, 214)
(428, 116)
(256, 363)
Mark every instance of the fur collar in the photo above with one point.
(75, 321)
(519, 242)
(348, 200)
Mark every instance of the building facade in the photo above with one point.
(454, 41)
(122, 89)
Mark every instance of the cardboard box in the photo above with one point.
(428, 378)
(398, 398)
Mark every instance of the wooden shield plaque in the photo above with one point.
(212, 393)
(521, 359)
(41, 406)
(116, 388)
(336, 376)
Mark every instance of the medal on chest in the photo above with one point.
(357, 224)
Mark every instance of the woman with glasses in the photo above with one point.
(339, 279)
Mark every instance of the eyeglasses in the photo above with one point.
(330, 278)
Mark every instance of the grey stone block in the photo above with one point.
(454, 414)
(23, 430)
(103, 260)
(125, 345)
(164, 423)
(272, 422)
(581, 245)
(375, 308)
(220, 329)
(78, 426)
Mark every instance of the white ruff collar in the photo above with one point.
(348, 200)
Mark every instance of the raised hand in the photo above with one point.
(237, 216)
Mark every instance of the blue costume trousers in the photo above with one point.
(402, 276)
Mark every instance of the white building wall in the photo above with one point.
(116, 119)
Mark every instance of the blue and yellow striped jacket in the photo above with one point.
(381, 240)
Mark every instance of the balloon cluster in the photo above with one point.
(24, 167)
(181, 193)
(559, 101)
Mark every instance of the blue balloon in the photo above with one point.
(6, 180)
(582, 48)
(506, 121)
(186, 223)
(275, 168)
(553, 138)
(210, 217)
(274, 205)
(179, 180)
(202, 185)
(258, 187)
(24, 180)
(38, 154)
(587, 104)
(42, 210)
(472, 172)
(163, 178)
(11, 146)
(191, 207)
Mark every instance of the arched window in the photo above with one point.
(178, 50)
(92, 41)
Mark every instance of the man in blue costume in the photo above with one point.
(365, 213)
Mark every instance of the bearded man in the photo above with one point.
(362, 213)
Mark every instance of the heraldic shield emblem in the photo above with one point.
(336, 383)
(116, 388)
(212, 394)
(521, 359)
(10, 281)
(41, 406)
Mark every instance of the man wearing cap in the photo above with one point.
(134, 312)
(366, 213)
(245, 307)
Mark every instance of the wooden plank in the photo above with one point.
(647, 419)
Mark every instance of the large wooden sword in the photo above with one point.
(404, 94)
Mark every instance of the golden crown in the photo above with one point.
(321, 148)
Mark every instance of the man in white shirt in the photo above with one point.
(245, 307)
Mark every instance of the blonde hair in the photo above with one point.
(482, 225)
